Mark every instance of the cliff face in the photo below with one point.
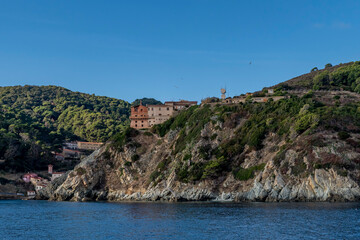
(226, 153)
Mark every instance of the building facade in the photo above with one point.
(89, 145)
(143, 117)
(139, 117)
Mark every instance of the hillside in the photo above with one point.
(37, 119)
(343, 76)
(301, 148)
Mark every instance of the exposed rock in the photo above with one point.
(288, 175)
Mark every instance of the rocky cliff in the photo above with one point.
(296, 149)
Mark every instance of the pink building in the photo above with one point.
(50, 169)
(27, 177)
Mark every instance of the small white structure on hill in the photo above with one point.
(223, 91)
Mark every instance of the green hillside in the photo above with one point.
(343, 76)
(37, 119)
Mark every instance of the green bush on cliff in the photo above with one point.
(119, 140)
(192, 130)
(214, 167)
(306, 121)
(191, 173)
(173, 123)
(248, 173)
(159, 169)
(343, 135)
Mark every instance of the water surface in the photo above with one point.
(71, 220)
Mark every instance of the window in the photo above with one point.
(142, 121)
(142, 125)
(135, 121)
(152, 109)
(160, 109)
(159, 114)
(135, 125)
(135, 115)
(167, 109)
(140, 110)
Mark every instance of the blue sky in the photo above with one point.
(171, 50)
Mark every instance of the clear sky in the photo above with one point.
(172, 49)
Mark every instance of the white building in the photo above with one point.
(55, 175)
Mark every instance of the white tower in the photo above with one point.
(223, 91)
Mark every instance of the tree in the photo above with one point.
(144, 101)
(314, 69)
(328, 65)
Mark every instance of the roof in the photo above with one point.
(58, 173)
(159, 105)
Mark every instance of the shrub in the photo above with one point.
(213, 137)
(80, 171)
(342, 172)
(4, 181)
(195, 123)
(190, 174)
(128, 164)
(187, 156)
(328, 65)
(205, 152)
(343, 135)
(314, 69)
(135, 157)
(248, 173)
(306, 121)
(120, 139)
(148, 134)
(159, 169)
(214, 167)
(299, 168)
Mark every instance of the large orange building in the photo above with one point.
(150, 115)
(139, 117)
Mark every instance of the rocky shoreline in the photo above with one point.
(268, 186)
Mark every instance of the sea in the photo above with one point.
(206, 220)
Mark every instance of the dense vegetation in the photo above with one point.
(145, 101)
(286, 118)
(35, 120)
(342, 76)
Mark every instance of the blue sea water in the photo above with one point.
(96, 220)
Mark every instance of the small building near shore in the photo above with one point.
(89, 145)
(31, 193)
(71, 145)
(55, 175)
(68, 153)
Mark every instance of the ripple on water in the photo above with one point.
(71, 220)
